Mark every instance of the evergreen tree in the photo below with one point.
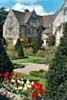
(3, 15)
(5, 63)
(19, 49)
(57, 75)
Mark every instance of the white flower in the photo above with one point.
(20, 87)
(25, 88)
(32, 83)
(27, 82)
(12, 80)
(22, 82)
(19, 81)
(29, 86)
(22, 79)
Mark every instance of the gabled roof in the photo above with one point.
(23, 18)
(57, 12)
(47, 31)
(46, 20)
(20, 16)
(27, 16)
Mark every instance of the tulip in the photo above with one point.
(27, 81)
(18, 81)
(12, 80)
(34, 95)
(29, 86)
(20, 88)
(22, 82)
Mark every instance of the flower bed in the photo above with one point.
(15, 85)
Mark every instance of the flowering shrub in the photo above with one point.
(24, 88)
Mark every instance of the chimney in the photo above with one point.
(26, 10)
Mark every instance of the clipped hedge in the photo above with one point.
(48, 54)
(40, 73)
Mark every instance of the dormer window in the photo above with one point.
(65, 11)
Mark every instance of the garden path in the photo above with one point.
(32, 67)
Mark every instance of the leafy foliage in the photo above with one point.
(57, 77)
(5, 63)
(51, 40)
(3, 15)
(19, 49)
(40, 73)
(2, 97)
(15, 51)
(48, 54)
(36, 44)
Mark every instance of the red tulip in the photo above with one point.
(34, 95)
(6, 75)
(33, 86)
(36, 83)
(41, 91)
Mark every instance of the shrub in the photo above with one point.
(18, 49)
(5, 63)
(39, 61)
(36, 44)
(57, 77)
(48, 54)
(10, 51)
(24, 40)
(51, 40)
(15, 51)
(2, 97)
(40, 73)
(28, 51)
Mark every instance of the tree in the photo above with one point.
(3, 15)
(5, 63)
(57, 75)
(36, 44)
(19, 49)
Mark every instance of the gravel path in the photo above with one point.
(32, 67)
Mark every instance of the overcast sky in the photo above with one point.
(41, 7)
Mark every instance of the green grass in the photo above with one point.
(33, 59)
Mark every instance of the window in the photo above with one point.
(65, 11)
(22, 30)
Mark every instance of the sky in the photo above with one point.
(42, 7)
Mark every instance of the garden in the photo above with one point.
(38, 85)
(15, 87)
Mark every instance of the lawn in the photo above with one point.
(30, 59)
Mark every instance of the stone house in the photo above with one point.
(27, 24)
(60, 19)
